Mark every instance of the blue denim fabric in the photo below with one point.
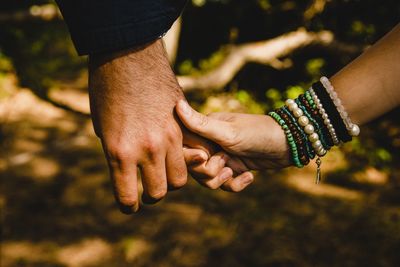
(99, 26)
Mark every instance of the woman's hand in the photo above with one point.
(252, 142)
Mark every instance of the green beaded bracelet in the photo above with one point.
(307, 144)
(310, 100)
(289, 137)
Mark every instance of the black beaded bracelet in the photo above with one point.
(331, 110)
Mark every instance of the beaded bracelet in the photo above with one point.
(307, 143)
(313, 123)
(312, 107)
(310, 100)
(352, 128)
(326, 103)
(318, 127)
(308, 127)
(289, 137)
(297, 135)
(326, 119)
(324, 133)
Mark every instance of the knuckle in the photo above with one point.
(174, 134)
(152, 144)
(119, 152)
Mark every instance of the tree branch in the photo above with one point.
(265, 52)
(316, 7)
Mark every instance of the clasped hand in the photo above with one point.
(243, 142)
(139, 114)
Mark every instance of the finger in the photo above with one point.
(216, 182)
(194, 156)
(238, 183)
(194, 140)
(176, 167)
(154, 179)
(211, 168)
(237, 165)
(210, 128)
(124, 177)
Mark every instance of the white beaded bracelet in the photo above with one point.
(324, 115)
(352, 128)
(307, 126)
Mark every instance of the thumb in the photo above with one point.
(210, 128)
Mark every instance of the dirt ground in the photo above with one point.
(57, 207)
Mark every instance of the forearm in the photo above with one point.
(370, 85)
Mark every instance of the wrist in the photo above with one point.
(274, 139)
(138, 70)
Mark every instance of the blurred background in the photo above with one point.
(56, 204)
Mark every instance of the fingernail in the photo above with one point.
(184, 107)
(248, 179)
(223, 159)
(225, 175)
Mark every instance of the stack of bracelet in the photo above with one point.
(313, 123)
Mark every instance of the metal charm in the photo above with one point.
(318, 177)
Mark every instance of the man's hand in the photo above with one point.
(132, 97)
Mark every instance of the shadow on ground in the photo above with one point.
(57, 208)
